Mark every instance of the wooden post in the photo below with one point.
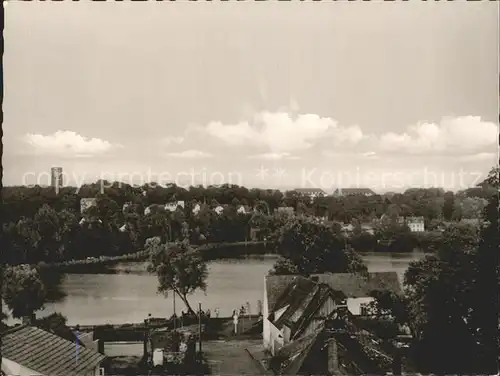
(199, 325)
(175, 317)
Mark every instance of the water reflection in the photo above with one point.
(129, 293)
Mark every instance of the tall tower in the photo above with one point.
(56, 177)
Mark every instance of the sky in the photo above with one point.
(261, 94)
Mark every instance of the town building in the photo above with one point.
(312, 193)
(172, 206)
(154, 208)
(56, 177)
(28, 350)
(243, 209)
(294, 306)
(342, 192)
(416, 224)
(335, 347)
(86, 203)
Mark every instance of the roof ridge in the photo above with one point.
(14, 329)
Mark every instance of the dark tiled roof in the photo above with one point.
(299, 288)
(356, 191)
(309, 190)
(323, 292)
(47, 353)
(291, 357)
(297, 296)
(275, 285)
(359, 286)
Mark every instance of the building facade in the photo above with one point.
(86, 203)
(56, 177)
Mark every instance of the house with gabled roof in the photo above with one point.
(295, 306)
(28, 351)
(335, 347)
(353, 192)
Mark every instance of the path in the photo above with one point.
(226, 358)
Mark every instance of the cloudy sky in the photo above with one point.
(268, 94)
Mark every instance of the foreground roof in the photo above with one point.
(358, 285)
(48, 353)
(352, 285)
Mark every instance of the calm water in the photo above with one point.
(130, 296)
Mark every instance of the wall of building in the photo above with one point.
(266, 330)
(354, 304)
(10, 367)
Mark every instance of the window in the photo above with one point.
(363, 309)
(101, 371)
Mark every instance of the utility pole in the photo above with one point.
(175, 315)
(199, 325)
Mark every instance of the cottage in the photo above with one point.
(294, 305)
(172, 206)
(354, 192)
(332, 349)
(312, 193)
(416, 224)
(86, 203)
(219, 209)
(244, 209)
(29, 351)
(196, 209)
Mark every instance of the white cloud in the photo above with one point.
(479, 157)
(273, 156)
(67, 143)
(370, 155)
(190, 154)
(282, 132)
(173, 140)
(451, 134)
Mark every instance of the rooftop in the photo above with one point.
(48, 353)
(352, 285)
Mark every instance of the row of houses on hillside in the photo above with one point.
(416, 224)
(308, 324)
(339, 192)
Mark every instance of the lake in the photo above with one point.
(129, 295)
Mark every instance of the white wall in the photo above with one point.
(354, 304)
(266, 330)
(10, 367)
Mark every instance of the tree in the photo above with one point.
(448, 205)
(451, 301)
(314, 248)
(472, 207)
(180, 269)
(23, 290)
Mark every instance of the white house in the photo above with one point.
(312, 193)
(416, 224)
(242, 209)
(196, 209)
(295, 306)
(31, 351)
(86, 203)
(172, 206)
(219, 209)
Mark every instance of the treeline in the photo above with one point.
(44, 226)
(431, 203)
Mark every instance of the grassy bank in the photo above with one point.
(210, 252)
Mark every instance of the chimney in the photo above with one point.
(333, 357)
(28, 319)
